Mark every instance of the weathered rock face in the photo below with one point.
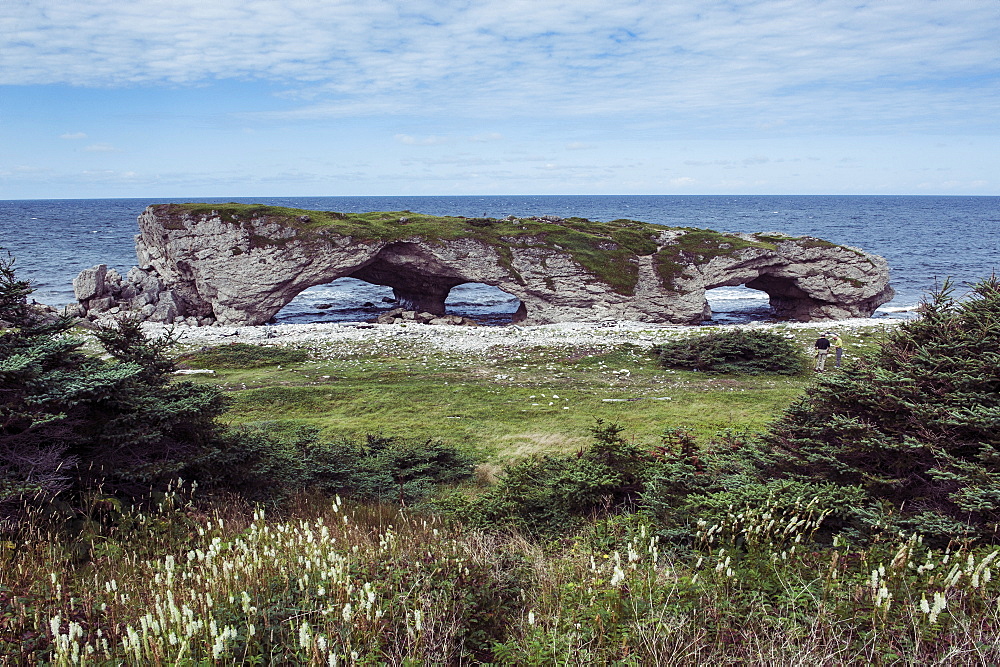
(240, 265)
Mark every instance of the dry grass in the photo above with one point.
(328, 583)
(522, 445)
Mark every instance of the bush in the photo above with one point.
(750, 351)
(270, 461)
(548, 494)
(916, 425)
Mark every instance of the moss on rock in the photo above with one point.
(700, 246)
(608, 250)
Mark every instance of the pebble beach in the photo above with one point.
(475, 340)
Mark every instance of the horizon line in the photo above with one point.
(277, 196)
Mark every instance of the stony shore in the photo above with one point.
(458, 339)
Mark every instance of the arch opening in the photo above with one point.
(354, 300)
(343, 300)
(738, 304)
(483, 303)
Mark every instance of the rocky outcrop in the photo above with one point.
(237, 264)
(101, 291)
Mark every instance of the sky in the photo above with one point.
(214, 98)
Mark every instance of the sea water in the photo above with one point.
(926, 240)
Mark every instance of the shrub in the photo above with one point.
(916, 424)
(548, 494)
(750, 351)
(270, 461)
(395, 468)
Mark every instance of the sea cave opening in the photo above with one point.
(485, 304)
(355, 300)
(738, 304)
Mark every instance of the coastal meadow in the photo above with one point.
(509, 396)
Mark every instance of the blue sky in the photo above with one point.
(189, 98)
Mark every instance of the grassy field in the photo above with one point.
(504, 404)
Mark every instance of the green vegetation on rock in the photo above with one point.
(699, 246)
(609, 250)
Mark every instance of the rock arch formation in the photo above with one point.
(240, 264)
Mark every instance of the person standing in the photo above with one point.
(822, 349)
(838, 348)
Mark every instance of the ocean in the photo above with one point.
(926, 239)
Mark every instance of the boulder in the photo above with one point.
(101, 304)
(90, 283)
(167, 309)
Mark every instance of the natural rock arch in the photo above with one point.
(240, 264)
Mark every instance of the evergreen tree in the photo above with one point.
(69, 421)
(915, 425)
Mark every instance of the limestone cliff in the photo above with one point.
(240, 264)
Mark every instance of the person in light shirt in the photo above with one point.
(838, 348)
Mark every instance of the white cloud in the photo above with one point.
(22, 169)
(770, 64)
(702, 163)
(101, 148)
(73, 135)
(437, 140)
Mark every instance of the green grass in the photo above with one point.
(509, 404)
(243, 355)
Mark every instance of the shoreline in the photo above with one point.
(464, 339)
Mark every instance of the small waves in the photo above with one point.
(352, 300)
(738, 293)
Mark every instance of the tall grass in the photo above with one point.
(334, 583)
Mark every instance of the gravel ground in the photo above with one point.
(458, 339)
